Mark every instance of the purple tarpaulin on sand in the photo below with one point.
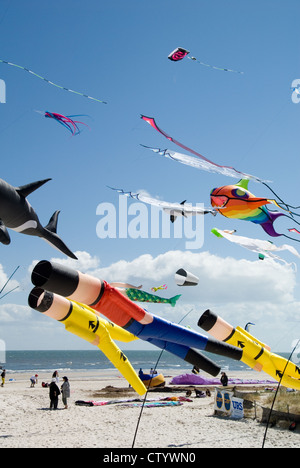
(192, 379)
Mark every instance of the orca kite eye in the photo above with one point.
(240, 193)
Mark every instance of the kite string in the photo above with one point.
(146, 394)
(145, 397)
(214, 67)
(51, 82)
(277, 389)
(282, 202)
(1, 290)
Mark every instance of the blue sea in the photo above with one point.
(93, 360)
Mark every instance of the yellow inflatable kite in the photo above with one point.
(82, 321)
(256, 355)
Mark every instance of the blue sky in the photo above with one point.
(117, 51)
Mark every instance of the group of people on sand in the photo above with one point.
(54, 391)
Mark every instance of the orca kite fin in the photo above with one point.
(52, 225)
(4, 236)
(49, 234)
(25, 190)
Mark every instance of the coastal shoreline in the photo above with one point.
(27, 421)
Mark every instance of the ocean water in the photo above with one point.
(93, 360)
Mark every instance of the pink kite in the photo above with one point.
(66, 121)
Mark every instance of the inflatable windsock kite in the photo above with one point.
(17, 214)
(185, 278)
(83, 322)
(108, 301)
(135, 294)
(236, 202)
(256, 354)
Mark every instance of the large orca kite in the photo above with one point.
(17, 214)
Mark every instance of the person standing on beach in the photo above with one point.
(3, 377)
(65, 391)
(54, 393)
(56, 377)
(33, 380)
(224, 379)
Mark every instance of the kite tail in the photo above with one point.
(291, 238)
(287, 206)
(269, 228)
(66, 121)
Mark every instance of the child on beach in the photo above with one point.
(34, 380)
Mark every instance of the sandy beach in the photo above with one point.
(27, 421)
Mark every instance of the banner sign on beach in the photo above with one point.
(226, 404)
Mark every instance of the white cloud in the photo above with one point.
(15, 313)
(220, 279)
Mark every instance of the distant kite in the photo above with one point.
(156, 288)
(66, 121)
(51, 82)
(264, 248)
(134, 293)
(173, 209)
(202, 163)
(294, 230)
(247, 326)
(185, 278)
(142, 296)
(218, 167)
(179, 53)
